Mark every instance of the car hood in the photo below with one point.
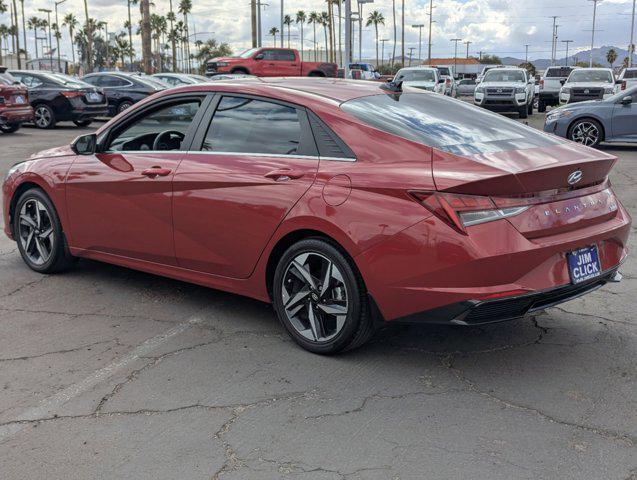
(501, 84)
(61, 151)
(416, 83)
(226, 59)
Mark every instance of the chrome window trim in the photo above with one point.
(233, 154)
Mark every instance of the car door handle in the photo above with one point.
(284, 174)
(156, 172)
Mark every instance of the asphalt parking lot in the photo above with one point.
(108, 373)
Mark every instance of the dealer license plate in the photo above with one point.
(583, 264)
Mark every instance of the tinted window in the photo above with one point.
(446, 124)
(112, 81)
(561, 72)
(500, 75)
(584, 75)
(29, 80)
(284, 55)
(245, 125)
(90, 80)
(630, 74)
(444, 71)
(141, 133)
(415, 76)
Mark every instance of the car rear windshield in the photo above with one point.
(560, 72)
(445, 124)
(444, 71)
(593, 76)
(416, 76)
(500, 75)
(630, 73)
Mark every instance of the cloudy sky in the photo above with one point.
(499, 27)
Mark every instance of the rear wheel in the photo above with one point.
(43, 116)
(10, 127)
(82, 123)
(541, 106)
(38, 233)
(530, 107)
(587, 132)
(124, 105)
(320, 298)
(315, 74)
(524, 111)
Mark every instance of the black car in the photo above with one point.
(123, 89)
(57, 98)
(177, 79)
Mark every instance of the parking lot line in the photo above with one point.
(48, 406)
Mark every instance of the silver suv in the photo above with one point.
(507, 89)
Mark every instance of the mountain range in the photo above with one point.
(599, 56)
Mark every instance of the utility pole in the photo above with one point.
(282, 27)
(455, 55)
(480, 55)
(467, 43)
(526, 53)
(48, 14)
(567, 42)
(57, 29)
(382, 52)
(553, 38)
(411, 52)
(590, 62)
(360, 27)
(253, 21)
(631, 47)
(348, 37)
(402, 33)
(431, 16)
(419, 27)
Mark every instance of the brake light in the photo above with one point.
(624, 85)
(541, 84)
(72, 94)
(461, 211)
(448, 81)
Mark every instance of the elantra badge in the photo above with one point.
(574, 177)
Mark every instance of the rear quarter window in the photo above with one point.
(450, 125)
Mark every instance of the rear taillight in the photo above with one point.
(461, 211)
(624, 85)
(541, 84)
(448, 81)
(72, 93)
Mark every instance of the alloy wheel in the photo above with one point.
(37, 236)
(42, 117)
(315, 297)
(586, 133)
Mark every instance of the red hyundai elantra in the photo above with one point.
(342, 204)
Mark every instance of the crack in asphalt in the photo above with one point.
(625, 438)
(299, 466)
(25, 285)
(60, 352)
(591, 315)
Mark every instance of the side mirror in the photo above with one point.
(85, 144)
(627, 100)
(259, 56)
(618, 82)
(562, 82)
(441, 80)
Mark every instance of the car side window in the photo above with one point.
(269, 54)
(91, 80)
(245, 125)
(112, 81)
(31, 81)
(284, 55)
(171, 122)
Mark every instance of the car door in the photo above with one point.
(249, 166)
(279, 63)
(34, 84)
(119, 199)
(624, 121)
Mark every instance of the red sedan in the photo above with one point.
(344, 205)
(14, 103)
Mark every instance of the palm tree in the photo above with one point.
(185, 7)
(173, 36)
(172, 18)
(340, 45)
(129, 26)
(123, 47)
(4, 35)
(287, 20)
(89, 39)
(71, 23)
(611, 56)
(273, 31)
(34, 23)
(375, 18)
(24, 31)
(393, 11)
(330, 26)
(325, 21)
(314, 19)
(159, 26)
(301, 19)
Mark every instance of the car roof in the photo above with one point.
(333, 90)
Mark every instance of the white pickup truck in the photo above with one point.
(589, 84)
(550, 86)
(628, 78)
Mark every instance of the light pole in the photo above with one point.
(553, 38)
(282, 30)
(419, 27)
(57, 30)
(632, 31)
(431, 21)
(526, 53)
(48, 14)
(348, 37)
(382, 51)
(360, 27)
(567, 42)
(467, 43)
(455, 55)
(411, 52)
(590, 62)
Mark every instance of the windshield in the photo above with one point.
(500, 75)
(630, 73)
(153, 82)
(444, 71)
(448, 125)
(248, 53)
(591, 76)
(359, 66)
(558, 72)
(416, 76)
(199, 78)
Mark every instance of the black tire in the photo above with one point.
(44, 117)
(59, 258)
(316, 74)
(358, 326)
(239, 71)
(524, 112)
(82, 123)
(124, 105)
(530, 108)
(541, 106)
(10, 127)
(594, 136)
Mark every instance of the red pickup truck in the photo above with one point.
(270, 62)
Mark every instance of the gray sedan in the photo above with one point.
(592, 122)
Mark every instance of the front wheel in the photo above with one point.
(44, 117)
(125, 105)
(320, 298)
(541, 106)
(587, 132)
(524, 112)
(10, 127)
(530, 108)
(39, 235)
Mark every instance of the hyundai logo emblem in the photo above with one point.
(574, 177)
(499, 90)
(587, 91)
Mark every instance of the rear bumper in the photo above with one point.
(431, 271)
(16, 115)
(549, 98)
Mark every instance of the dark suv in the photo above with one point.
(14, 103)
(57, 98)
(123, 89)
